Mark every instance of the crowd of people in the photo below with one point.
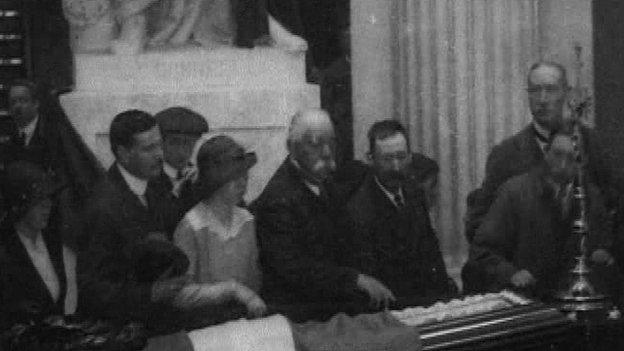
(165, 237)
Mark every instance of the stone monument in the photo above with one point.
(249, 94)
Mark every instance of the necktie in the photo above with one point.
(398, 200)
(563, 197)
(541, 137)
(151, 197)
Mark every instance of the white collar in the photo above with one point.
(202, 216)
(388, 193)
(171, 172)
(136, 185)
(29, 130)
(29, 243)
(313, 187)
(542, 131)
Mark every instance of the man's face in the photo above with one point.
(391, 158)
(22, 105)
(547, 94)
(144, 159)
(560, 159)
(178, 149)
(315, 154)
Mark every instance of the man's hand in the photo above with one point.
(602, 256)
(522, 279)
(378, 293)
(166, 289)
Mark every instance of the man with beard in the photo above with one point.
(548, 93)
(396, 241)
(525, 240)
(304, 231)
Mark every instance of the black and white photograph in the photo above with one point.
(311, 175)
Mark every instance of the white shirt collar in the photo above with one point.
(171, 172)
(136, 185)
(202, 216)
(29, 130)
(388, 193)
(545, 133)
(313, 187)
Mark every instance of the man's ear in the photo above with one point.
(123, 154)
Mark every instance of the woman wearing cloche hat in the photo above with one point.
(37, 276)
(217, 235)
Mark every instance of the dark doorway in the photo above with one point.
(609, 75)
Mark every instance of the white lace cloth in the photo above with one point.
(265, 334)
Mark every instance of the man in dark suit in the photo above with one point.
(396, 241)
(39, 132)
(303, 228)
(525, 241)
(124, 212)
(548, 93)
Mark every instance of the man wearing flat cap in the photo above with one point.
(180, 128)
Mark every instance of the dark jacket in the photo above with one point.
(303, 241)
(179, 204)
(517, 155)
(525, 229)
(398, 246)
(23, 294)
(118, 225)
(56, 147)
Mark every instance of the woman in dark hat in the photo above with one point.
(217, 235)
(37, 271)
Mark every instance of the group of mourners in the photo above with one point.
(166, 238)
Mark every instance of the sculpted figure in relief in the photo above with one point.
(130, 26)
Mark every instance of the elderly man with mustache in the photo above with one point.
(304, 231)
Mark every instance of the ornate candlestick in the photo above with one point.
(580, 294)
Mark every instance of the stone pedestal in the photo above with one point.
(248, 94)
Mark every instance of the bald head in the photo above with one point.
(555, 71)
(314, 121)
(311, 142)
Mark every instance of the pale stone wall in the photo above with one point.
(248, 94)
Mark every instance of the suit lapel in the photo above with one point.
(528, 145)
(133, 209)
(385, 207)
(297, 179)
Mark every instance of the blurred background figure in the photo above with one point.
(38, 271)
